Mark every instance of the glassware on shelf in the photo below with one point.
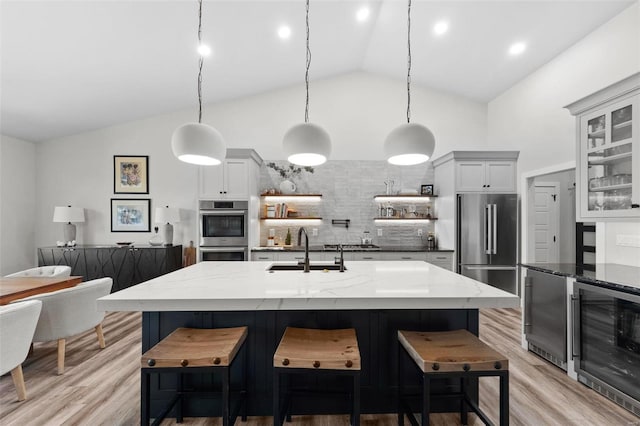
(621, 128)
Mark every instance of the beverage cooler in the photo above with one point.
(606, 342)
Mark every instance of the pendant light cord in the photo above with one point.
(201, 62)
(409, 62)
(306, 76)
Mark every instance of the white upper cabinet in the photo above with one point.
(486, 176)
(234, 179)
(607, 151)
(480, 171)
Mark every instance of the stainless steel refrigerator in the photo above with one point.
(487, 239)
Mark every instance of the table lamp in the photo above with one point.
(167, 216)
(68, 214)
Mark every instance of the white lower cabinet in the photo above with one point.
(404, 255)
(264, 256)
(441, 259)
(358, 255)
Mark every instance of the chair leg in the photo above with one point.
(18, 382)
(463, 402)
(504, 399)
(356, 400)
(61, 351)
(244, 384)
(400, 388)
(426, 399)
(100, 336)
(144, 398)
(276, 398)
(225, 396)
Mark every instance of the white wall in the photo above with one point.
(531, 117)
(357, 109)
(17, 204)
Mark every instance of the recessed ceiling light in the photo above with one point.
(441, 27)
(517, 48)
(284, 32)
(363, 14)
(204, 50)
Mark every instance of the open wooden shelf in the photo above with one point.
(292, 218)
(404, 218)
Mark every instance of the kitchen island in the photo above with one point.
(375, 298)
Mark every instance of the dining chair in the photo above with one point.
(44, 271)
(71, 311)
(17, 325)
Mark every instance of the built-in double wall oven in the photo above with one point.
(224, 230)
(606, 342)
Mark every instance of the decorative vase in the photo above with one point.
(156, 239)
(287, 187)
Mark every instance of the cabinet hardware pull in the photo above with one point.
(575, 309)
(406, 258)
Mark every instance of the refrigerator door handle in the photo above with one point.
(494, 243)
(487, 229)
(489, 268)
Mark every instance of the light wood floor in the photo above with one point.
(101, 387)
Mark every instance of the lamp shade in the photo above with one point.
(167, 215)
(307, 144)
(68, 214)
(409, 144)
(198, 143)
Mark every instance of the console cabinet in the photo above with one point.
(127, 266)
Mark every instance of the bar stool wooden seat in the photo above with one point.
(194, 351)
(315, 351)
(451, 354)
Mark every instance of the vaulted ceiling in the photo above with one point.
(74, 66)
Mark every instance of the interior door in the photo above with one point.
(545, 222)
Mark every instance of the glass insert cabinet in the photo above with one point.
(608, 157)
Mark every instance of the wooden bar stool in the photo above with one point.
(312, 351)
(194, 351)
(451, 354)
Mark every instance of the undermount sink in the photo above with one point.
(300, 267)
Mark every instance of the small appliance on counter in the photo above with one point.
(432, 244)
(366, 239)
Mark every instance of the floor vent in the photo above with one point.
(616, 396)
(546, 355)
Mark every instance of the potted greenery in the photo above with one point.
(287, 173)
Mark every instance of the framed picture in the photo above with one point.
(131, 174)
(426, 189)
(130, 215)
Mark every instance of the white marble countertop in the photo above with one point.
(247, 286)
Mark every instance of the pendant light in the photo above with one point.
(199, 143)
(307, 144)
(410, 143)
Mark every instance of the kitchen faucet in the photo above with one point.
(306, 247)
(340, 248)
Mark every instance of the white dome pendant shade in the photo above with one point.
(409, 144)
(198, 143)
(307, 144)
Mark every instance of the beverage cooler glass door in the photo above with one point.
(606, 341)
(608, 158)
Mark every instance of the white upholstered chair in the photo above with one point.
(71, 311)
(44, 271)
(17, 324)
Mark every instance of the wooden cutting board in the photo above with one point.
(189, 255)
